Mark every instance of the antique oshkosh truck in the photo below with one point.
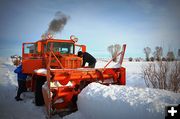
(57, 75)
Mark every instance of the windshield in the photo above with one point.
(63, 48)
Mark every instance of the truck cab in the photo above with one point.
(35, 54)
(64, 78)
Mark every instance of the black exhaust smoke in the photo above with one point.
(58, 23)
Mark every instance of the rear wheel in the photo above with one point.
(39, 81)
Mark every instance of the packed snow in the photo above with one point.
(41, 71)
(96, 101)
(121, 102)
(9, 108)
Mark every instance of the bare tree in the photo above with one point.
(114, 49)
(164, 59)
(110, 49)
(158, 53)
(174, 84)
(130, 59)
(162, 75)
(147, 52)
(152, 59)
(117, 48)
(170, 56)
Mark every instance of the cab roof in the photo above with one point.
(57, 40)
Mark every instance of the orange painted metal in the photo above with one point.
(66, 70)
(29, 65)
(63, 95)
(76, 76)
(64, 76)
(33, 61)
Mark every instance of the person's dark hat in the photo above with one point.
(80, 53)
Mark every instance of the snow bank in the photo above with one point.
(41, 71)
(133, 74)
(7, 72)
(9, 108)
(97, 101)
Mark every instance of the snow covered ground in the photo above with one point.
(121, 102)
(96, 101)
(9, 108)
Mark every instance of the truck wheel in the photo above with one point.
(39, 81)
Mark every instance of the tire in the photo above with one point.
(39, 81)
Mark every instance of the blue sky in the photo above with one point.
(97, 23)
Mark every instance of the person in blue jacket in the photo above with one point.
(21, 78)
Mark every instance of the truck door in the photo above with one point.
(31, 58)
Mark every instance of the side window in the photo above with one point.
(77, 49)
(71, 49)
(30, 48)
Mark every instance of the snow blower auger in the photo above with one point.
(57, 75)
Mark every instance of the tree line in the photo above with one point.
(158, 54)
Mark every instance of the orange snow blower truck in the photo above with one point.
(57, 75)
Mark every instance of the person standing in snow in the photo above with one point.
(21, 78)
(87, 58)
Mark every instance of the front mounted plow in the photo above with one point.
(60, 92)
